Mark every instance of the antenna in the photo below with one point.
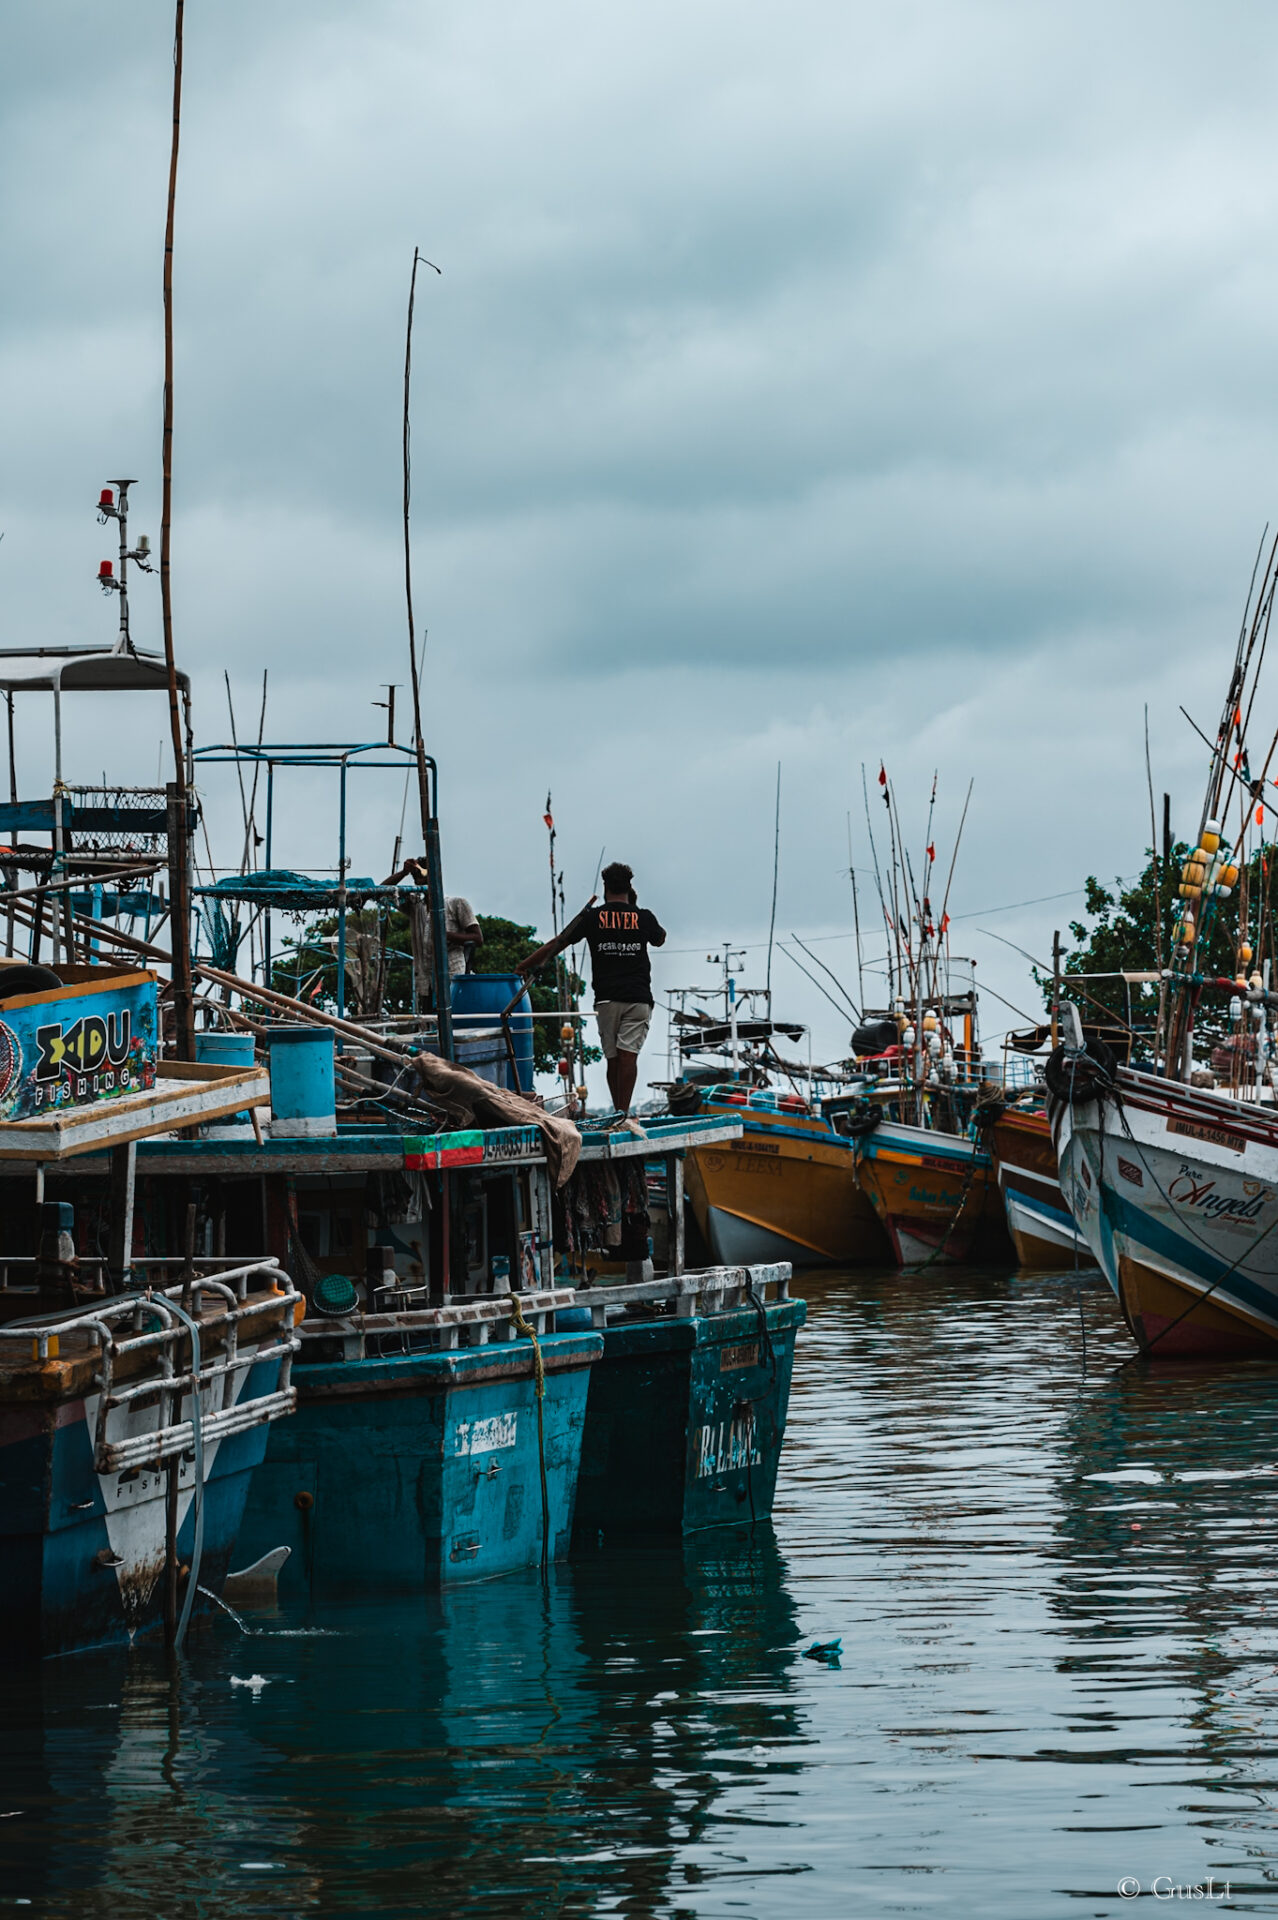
(388, 707)
(115, 506)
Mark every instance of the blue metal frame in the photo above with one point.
(345, 757)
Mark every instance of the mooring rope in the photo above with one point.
(539, 1373)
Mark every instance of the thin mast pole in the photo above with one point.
(429, 820)
(856, 922)
(13, 800)
(878, 887)
(776, 867)
(179, 822)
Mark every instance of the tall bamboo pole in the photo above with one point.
(430, 822)
(179, 811)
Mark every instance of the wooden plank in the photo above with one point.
(173, 1102)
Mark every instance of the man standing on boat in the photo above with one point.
(619, 934)
(461, 930)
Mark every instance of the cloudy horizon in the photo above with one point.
(813, 386)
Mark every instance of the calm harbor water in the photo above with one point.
(1054, 1587)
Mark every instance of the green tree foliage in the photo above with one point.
(1122, 934)
(307, 968)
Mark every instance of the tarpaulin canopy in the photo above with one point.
(295, 892)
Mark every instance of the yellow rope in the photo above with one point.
(539, 1373)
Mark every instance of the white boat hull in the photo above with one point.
(1176, 1194)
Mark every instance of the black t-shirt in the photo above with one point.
(619, 936)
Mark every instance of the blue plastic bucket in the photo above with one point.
(303, 1090)
(479, 1000)
(217, 1049)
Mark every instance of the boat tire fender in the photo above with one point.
(1076, 1078)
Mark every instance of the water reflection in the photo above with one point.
(1053, 1584)
(551, 1746)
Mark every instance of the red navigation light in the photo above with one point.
(106, 498)
(106, 570)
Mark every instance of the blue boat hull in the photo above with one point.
(81, 1553)
(422, 1470)
(685, 1424)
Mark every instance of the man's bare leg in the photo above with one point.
(623, 1071)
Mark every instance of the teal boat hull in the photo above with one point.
(685, 1424)
(418, 1471)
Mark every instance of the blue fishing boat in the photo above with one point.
(416, 1461)
(688, 1405)
(134, 1401)
(126, 1449)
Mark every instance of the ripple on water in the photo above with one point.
(1053, 1587)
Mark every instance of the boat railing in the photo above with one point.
(474, 1320)
(147, 1358)
(25, 1269)
(711, 1290)
(484, 1319)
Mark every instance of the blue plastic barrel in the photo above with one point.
(225, 1049)
(303, 1092)
(218, 1049)
(479, 1000)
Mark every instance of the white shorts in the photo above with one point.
(623, 1025)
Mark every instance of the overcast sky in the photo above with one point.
(815, 383)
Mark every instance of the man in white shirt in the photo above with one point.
(461, 929)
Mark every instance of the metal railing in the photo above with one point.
(123, 1330)
(712, 1290)
(473, 1321)
(484, 1319)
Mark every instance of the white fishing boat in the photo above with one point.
(1171, 1173)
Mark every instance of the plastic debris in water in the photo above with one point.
(826, 1651)
(255, 1680)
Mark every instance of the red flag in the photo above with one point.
(931, 853)
(549, 819)
(1260, 816)
(882, 774)
(945, 923)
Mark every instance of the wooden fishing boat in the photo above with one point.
(96, 1407)
(786, 1190)
(935, 1193)
(1038, 1217)
(688, 1405)
(417, 1462)
(1171, 1176)
(1176, 1193)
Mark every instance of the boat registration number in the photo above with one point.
(754, 1146)
(1215, 1135)
(487, 1436)
(745, 1355)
